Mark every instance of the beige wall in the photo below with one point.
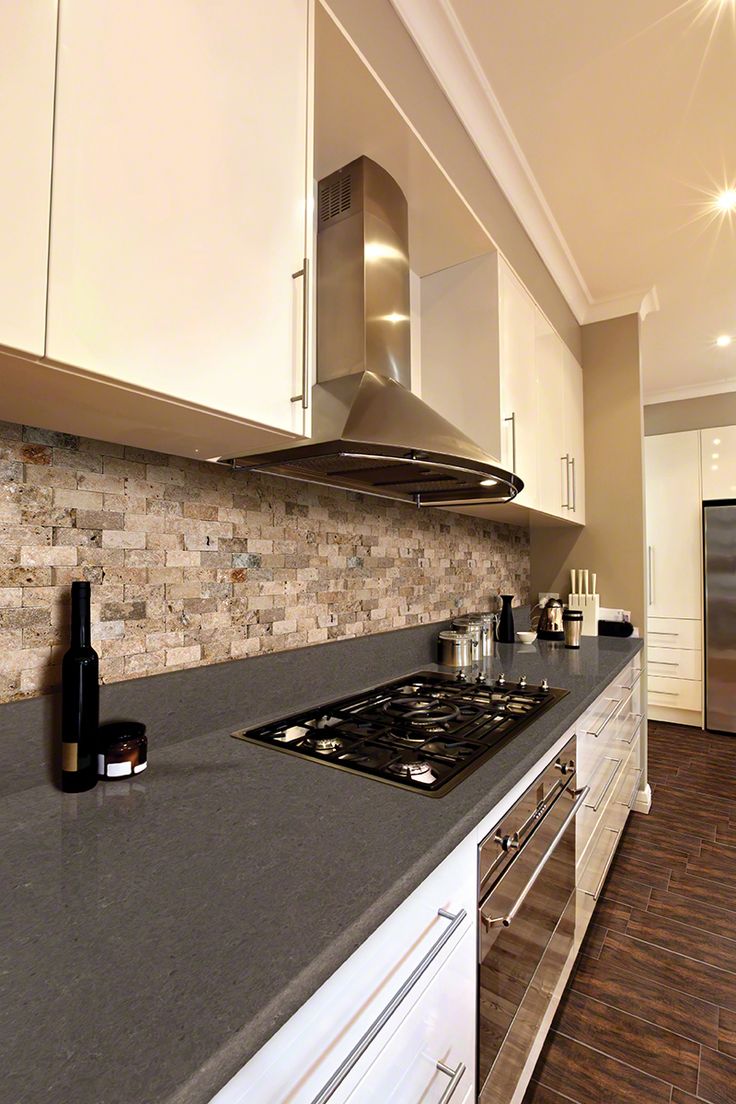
(612, 542)
(701, 413)
(389, 49)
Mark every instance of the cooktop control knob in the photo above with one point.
(461, 677)
(522, 682)
(502, 679)
(480, 678)
(545, 685)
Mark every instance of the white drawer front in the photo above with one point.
(671, 632)
(675, 663)
(302, 1058)
(434, 1046)
(674, 693)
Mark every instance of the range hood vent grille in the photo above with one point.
(335, 196)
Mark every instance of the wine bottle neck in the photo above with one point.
(81, 636)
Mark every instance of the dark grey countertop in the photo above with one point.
(155, 933)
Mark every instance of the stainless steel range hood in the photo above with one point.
(371, 433)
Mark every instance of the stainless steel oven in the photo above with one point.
(526, 921)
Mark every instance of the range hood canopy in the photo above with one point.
(371, 433)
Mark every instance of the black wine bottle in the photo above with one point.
(80, 699)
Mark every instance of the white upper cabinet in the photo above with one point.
(27, 67)
(719, 462)
(573, 431)
(180, 213)
(673, 497)
(518, 379)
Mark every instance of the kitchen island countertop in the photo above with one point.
(156, 932)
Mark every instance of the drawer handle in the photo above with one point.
(635, 790)
(665, 693)
(653, 633)
(382, 1019)
(606, 788)
(637, 672)
(664, 663)
(615, 832)
(597, 731)
(456, 1075)
(638, 718)
(491, 921)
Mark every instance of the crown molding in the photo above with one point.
(691, 391)
(440, 38)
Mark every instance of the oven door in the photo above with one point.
(526, 935)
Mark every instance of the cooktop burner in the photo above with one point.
(423, 733)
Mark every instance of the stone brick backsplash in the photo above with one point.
(192, 563)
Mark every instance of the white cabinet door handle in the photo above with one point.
(573, 506)
(512, 418)
(303, 398)
(566, 461)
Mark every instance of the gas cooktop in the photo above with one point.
(424, 733)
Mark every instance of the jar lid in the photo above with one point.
(113, 732)
(475, 619)
(449, 634)
(572, 615)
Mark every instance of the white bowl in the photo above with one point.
(527, 637)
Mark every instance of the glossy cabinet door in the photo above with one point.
(553, 463)
(518, 379)
(674, 564)
(179, 213)
(719, 462)
(574, 433)
(27, 71)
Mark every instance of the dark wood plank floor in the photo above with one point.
(649, 1014)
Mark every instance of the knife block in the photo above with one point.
(590, 604)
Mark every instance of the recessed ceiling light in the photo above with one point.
(714, 467)
(488, 482)
(723, 341)
(726, 200)
(716, 440)
(714, 455)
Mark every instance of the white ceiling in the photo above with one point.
(623, 114)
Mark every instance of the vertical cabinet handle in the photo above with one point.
(512, 419)
(650, 576)
(566, 461)
(573, 506)
(455, 1075)
(303, 398)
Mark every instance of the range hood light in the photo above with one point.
(382, 251)
(489, 483)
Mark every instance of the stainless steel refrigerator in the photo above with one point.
(720, 616)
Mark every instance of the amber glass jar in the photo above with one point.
(122, 749)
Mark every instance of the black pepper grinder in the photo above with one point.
(506, 632)
(80, 694)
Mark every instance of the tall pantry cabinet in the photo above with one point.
(674, 577)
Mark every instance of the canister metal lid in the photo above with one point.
(572, 615)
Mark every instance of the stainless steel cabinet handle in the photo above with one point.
(573, 507)
(566, 461)
(615, 833)
(665, 693)
(650, 577)
(304, 397)
(616, 705)
(664, 663)
(635, 729)
(606, 788)
(637, 672)
(490, 921)
(456, 1075)
(635, 790)
(653, 633)
(512, 419)
(382, 1019)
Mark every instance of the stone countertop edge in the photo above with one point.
(206, 870)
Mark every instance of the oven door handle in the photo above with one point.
(491, 921)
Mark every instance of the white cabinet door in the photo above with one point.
(435, 1045)
(179, 201)
(27, 68)
(719, 462)
(574, 433)
(553, 480)
(673, 525)
(518, 383)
